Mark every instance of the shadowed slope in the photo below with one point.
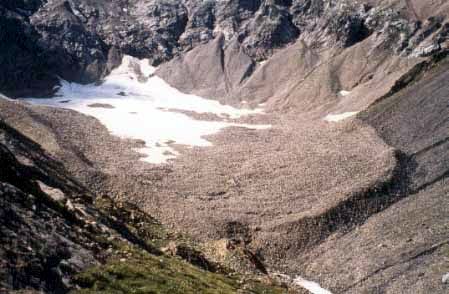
(405, 248)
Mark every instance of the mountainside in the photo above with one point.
(59, 236)
(403, 249)
(82, 40)
(347, 187)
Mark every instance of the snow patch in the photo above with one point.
(313, 287)
(138, 109)
(339, 117)
(344, 93)
(6, 98)
(445, 279)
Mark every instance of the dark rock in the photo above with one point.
(270, 28)
(237, 231)
(45, 242)
(36, 233)
(75, 53)
(101, 105)
(114, 59)
(24, 68)
(195, 257)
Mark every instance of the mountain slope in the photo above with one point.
(81, 40)
(348, 188)
(403, 249)
(57, 236)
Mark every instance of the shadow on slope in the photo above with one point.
(404, 248)
(57, 235)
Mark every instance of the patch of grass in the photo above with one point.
(134, 269)
(143, 273)
(133, 219)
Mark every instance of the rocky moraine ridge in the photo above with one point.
(348, 188)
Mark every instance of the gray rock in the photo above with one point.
(55, 193)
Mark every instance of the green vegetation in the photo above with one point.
(133, 268)
(142, 225)
(142, 272)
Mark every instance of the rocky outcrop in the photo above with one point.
(44, 240)
(75, 53)
(81, 40)
(51, 226)
(330, 41)
(24, 64)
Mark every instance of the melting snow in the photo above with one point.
(339, 117)
(311, 286)
(138, 104)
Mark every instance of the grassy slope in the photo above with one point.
(146, 273)
(124, 245)
(132, 269)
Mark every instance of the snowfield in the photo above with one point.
(339, 117)
(132, 103)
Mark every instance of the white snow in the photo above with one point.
(313, 287)
(5, 97)
(344, 93)
(143, 113)
(445, 279)
(339, 117)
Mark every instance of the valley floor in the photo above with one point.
(359, 205)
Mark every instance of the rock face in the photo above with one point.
(328, 39)
(75, 53)
(80, 40)
(23, 63)
(53, 243)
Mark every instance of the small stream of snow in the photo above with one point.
(339, 117)
(313, 287)
(133, 104)
(344, 93)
